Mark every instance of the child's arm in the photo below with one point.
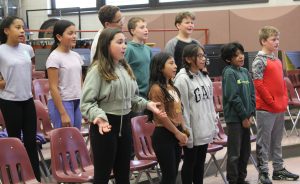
(53, 85)
(2, 82)
(90, 96)
(170, 46)
(182, 86)
(252, 97)
(231, 93)
(258, 67)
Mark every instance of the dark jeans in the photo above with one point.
(238, 152)
(168, 153)
(193, 164)
(20, 116)
(112, 151)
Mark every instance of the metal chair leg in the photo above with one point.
(219, 169)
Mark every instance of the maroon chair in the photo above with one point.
(142, 131)
(218, 96)
(142, 166)
(38, 74)
(293, 102)
(70, 161)
(15, 166)
(44, 125)
(41, 90)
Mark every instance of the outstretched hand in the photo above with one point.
(103, 125)
(153, 106)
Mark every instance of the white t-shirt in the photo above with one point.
(15, 68)
(94, 45)
(69, 73)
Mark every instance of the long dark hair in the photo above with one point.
(59, 29)
(6, 22)
(191, 51)
(157, 77)
(103, 58)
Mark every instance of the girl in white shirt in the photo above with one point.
(64, 75)
(16, 102)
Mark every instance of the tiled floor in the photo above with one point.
(292, 164)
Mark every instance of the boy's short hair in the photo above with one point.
(183, 15)
(266, 32)
(132, 23)
(228, 51)
(107, 13)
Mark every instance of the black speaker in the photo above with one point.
(216, 64)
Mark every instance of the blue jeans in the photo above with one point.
(71, 107)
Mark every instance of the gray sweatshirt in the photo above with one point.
(198, 107)
(117, 97)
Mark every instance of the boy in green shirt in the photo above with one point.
(138, 55)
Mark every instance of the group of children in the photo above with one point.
(174, 85)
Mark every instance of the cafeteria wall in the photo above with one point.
(224, 23)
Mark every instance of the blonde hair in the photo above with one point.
(266, 32)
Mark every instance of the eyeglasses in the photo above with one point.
(204, 57)
(201, 56)
(121, 20)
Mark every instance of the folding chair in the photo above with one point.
(292, 102)
(41, 91)
(212, 150)
(142, 130)
(70, 161)
(15, 166)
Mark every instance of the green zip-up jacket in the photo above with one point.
(238, 94)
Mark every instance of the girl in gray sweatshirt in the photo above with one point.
(198, 110)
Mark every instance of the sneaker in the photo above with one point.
(263, 178)
(284, 175)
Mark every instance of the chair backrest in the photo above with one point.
(43, 121)
(291, 91)
(221, 133)
(41, 90)
(15, 166)
(142, 131)
(68, 152)
(38, 74)
(218, 96)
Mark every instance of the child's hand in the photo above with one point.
(153, 106)
(252, 120)
(246, 123)
(65, 120)
(182, 138)
(103, 125)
